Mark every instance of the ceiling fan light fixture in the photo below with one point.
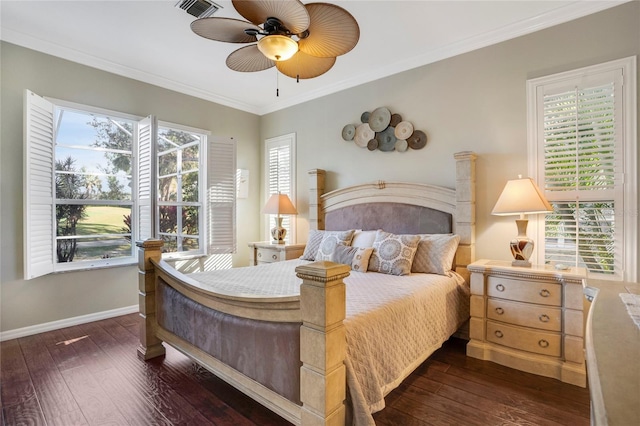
(278, 47)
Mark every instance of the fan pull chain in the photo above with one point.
(298, 78)
(277, 84)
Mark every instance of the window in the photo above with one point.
(280, 177)
(179, 192)
(582, 152)
(96, 181)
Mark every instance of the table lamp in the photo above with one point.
(279, 204)
(521, 196)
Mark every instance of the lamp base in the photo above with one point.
(278, 232)
(521, 246)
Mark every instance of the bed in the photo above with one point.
(308, 338)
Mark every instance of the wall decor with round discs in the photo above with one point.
(384, 131)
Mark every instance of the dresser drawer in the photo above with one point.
(265, 255)
(525, 314)
(540, 342)
(524, 291)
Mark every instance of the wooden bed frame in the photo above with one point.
(320, 308)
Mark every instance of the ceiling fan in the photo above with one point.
(302, 41)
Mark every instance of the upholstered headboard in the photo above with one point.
(402, 208)
(397, 218)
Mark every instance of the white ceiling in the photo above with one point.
(151, 41)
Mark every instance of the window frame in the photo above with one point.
(202, 192)
(626, 179)
(289, 221)
(108, 262)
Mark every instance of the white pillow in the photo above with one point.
(363, 238)
(356, 257)
(329, 242)
(435, 253)
(393, 254)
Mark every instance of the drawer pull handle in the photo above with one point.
(499, 311)
(545, 293)
(498, 334)
(274, 257)
(500, 287)
(544, 318)
(543, 343)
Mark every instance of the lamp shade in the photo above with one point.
(279, 204)
(521, 196)
(277, 47)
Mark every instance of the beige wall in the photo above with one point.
(475, 101)
(72, 294)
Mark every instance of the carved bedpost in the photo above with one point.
(316, 189)
(150, 345)
(466, 210)
(323, 343)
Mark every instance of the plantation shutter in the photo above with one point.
(38, 186)
(582, 160)
(146, 182)
(280, 177)
(221, 196)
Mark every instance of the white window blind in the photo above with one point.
(38, 186)
(280, 152)
(221, 196)
(579, 140)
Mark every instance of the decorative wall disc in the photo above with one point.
(365, 117)
(403, 130)
(363, 135)
(386, 140)
(348, 132)
(395, 120)
(401, 145)
(417, 140)
(379, 119)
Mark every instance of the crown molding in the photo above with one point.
(82, 58)
(560, 15)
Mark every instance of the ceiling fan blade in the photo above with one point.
(333, 31)
(292, 13)
(248, 59)
(305, 66)
(224, 29)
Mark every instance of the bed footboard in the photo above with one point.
(320, 308)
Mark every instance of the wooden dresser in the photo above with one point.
(530, 319)
(265, 252)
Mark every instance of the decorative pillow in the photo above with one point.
(313, 243)
(363, 238)
(329, 242)
(393, 254)
(356, 257)
(435, 253)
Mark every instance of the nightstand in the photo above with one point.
(530, 319)
(265, 252)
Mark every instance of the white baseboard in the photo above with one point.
(68, 322)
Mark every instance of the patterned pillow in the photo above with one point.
(393, 254)
(313, 243)
(329, 242)
(356, 257)
(435, 253)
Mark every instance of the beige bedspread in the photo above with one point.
(393, 323)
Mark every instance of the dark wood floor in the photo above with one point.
(90, 374)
